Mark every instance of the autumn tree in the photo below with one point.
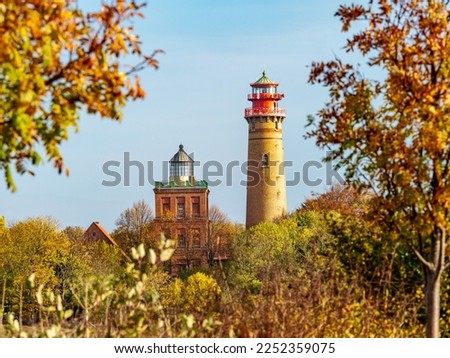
(344, 199)
(57, 60)
(134, 225)
(74, 233)
(361, 243)
(264, 253)
(200, 294)
(34, 245)
(5, 257)
(391, 135)
(221, 233)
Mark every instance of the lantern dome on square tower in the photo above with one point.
(182, 214)
(181, 167)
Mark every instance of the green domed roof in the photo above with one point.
(181, 156)
(264, 80)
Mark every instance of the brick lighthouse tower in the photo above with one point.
(266, 182)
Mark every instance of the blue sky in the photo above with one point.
(214, 49)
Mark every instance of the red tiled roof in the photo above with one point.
(107, 237)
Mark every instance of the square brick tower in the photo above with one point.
(181, 213)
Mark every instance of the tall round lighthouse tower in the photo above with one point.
(266, 181)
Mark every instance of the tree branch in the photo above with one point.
(421, 258)
(443, 239)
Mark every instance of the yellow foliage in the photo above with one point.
(200, 294)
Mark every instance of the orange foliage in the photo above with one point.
(56, 60)
(393, 134)
(341, 198)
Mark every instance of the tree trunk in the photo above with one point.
(20, 305)
(2, 306)
(433, 285)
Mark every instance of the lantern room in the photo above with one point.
(181, 167)
(264, 98)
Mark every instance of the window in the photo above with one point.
(180, 208)
(196, 237)
(181, 169)
(253, 126)
(276, 125)
(196, 206)
(165, 205)
(181, 238)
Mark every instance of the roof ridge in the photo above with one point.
(108, 236)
